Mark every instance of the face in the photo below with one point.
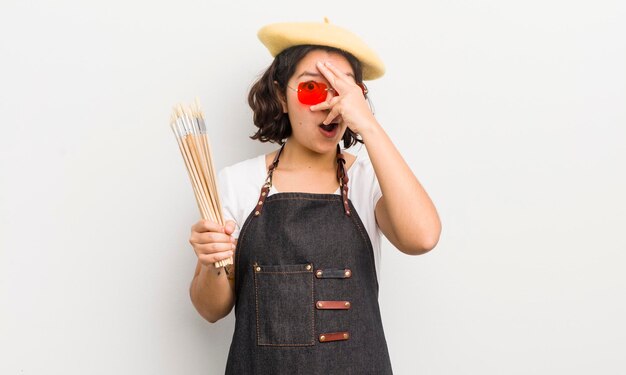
(307, 128)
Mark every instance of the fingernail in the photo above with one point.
(233, 239)
(233, 246)
(328, 63)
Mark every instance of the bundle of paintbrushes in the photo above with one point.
(190, 130)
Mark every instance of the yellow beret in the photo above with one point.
(279, 36)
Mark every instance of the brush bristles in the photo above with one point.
(188, 125)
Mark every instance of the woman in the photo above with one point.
(305, 272)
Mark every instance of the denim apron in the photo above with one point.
(306, 288)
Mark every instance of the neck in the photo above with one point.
(295, 156)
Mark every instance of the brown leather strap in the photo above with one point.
(343, 180)
(332, 305)
(333, 273)
(275, 162)
(334, 336)
(259, 206)
(265, 190)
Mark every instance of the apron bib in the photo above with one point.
(306, 288)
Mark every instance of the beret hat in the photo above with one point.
(277, 37)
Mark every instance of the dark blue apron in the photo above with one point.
(306, 288)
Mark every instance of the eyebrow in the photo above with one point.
(315, 74)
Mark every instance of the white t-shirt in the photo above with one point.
(240, 185)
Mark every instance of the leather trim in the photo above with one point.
(333, 273)
(334, 336)
(333, 305)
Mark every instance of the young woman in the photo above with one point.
(305, 286)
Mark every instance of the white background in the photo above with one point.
(511, 114)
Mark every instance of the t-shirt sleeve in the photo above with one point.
(365, 190)
(373, 187)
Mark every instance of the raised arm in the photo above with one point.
(405, 213)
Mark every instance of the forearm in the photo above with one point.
(211, 293)
(407, 215)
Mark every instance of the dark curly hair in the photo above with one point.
(265, 94)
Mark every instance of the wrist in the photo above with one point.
(371, 132)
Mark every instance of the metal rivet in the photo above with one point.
(319, 304)
(260, 203)
(319, 274)
(347, 273)
(256, 213)
(263, 194)
(322, 338)
(308, 267)
(345, 336)
(346, 202)
(347, 304)
(257, 269)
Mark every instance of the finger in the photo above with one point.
(335, 108)
(336, 77)
(326, 104)
(209, 259)
(207, 226)
(229, 227)
(345, 82)
(209, 237)
(336, 111)
(330, 76)
(216, 247)
(321, 106)
(336, 71)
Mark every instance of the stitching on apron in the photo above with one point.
(291, 345)
(366, 238)
(329, 199)
(256, 301)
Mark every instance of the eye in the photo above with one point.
(311, 92)
(310, 85)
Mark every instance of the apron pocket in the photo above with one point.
(284, 304)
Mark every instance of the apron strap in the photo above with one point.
(342, 177)
(343, 180)
(265, 190)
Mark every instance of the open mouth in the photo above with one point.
(330, 127)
